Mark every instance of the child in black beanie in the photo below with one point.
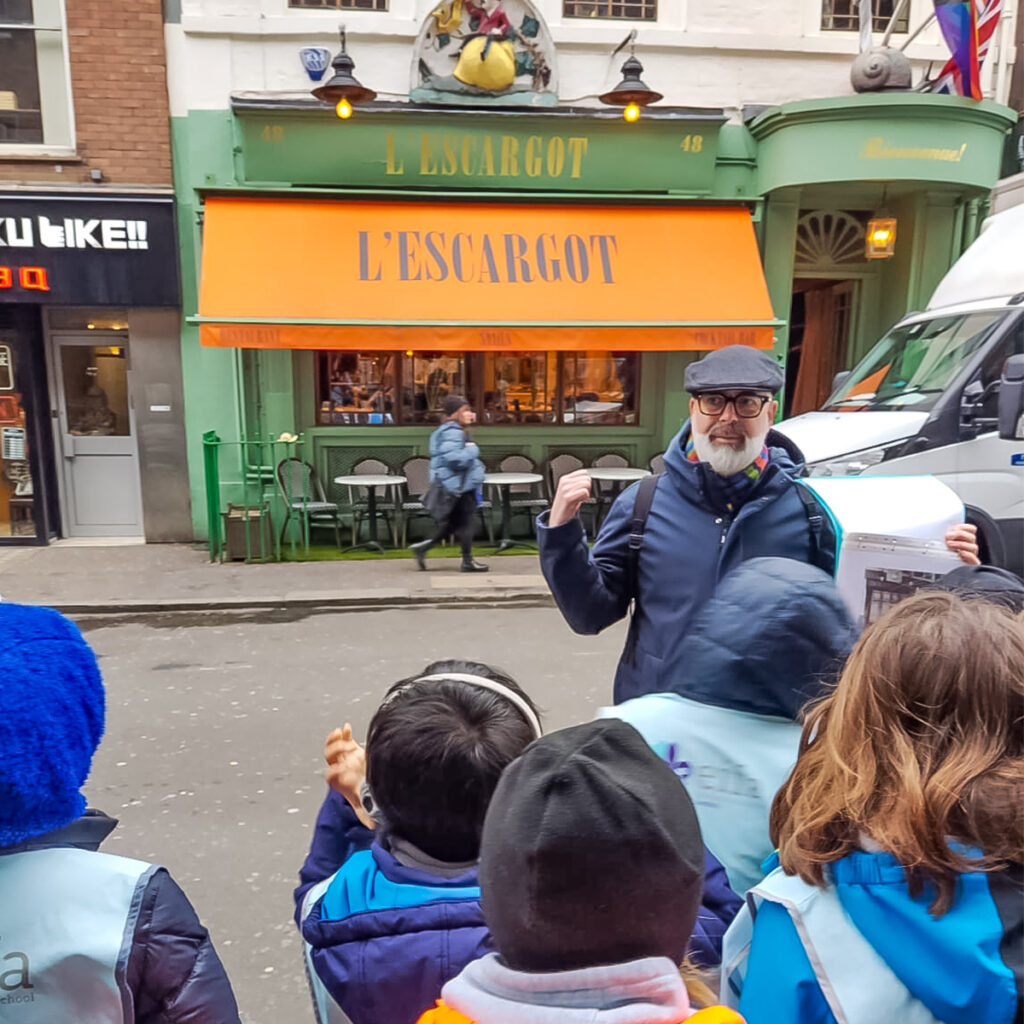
(591, 877)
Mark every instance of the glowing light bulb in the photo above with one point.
(631, 112)
(343, 109)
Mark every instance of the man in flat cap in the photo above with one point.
(728, 494)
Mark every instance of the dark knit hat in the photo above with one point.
(453, 403)
(985, 582)
(734, 367)
(51, 695)
(591, 853)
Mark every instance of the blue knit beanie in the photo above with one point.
(51, 720)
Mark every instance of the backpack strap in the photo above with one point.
(823, 544)
(642, 502)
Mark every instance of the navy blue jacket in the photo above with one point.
(173, 972)
(690, 543)
(384, 938)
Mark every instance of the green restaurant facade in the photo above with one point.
(810, 173)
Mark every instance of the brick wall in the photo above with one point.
(119, 83)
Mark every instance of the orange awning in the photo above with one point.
(312, 274)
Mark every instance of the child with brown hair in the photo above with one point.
(899, 887)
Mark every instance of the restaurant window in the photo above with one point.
(625, 10)
(17, 493)
(519, 388)
(385, 388)
(842, 16)
(34, 90)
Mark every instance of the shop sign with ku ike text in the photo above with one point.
(563, 154)
(61, 248)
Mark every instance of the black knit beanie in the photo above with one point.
(453, 403)
(591, 853)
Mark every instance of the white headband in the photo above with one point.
(486, 684)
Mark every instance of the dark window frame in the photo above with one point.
(611, 10)
(841, 16)
(379, 6)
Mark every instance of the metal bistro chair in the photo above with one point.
(417, 475)
(557, 467)
(604, 491)
(524, 496)
(304, 497)
(387, 504)
(657, 463)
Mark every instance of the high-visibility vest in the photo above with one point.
(441, 1014)
(855, 981)
(66, 932)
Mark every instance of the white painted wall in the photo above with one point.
(706, 53)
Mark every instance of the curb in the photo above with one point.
(304, 603)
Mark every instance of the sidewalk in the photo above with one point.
(142, 579)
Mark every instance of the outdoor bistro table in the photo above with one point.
(505, 482)
(371, 483)
(617, 476)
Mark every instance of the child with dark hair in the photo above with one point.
(388, 901)
(87, 936)
(591, 873)
(898, 893)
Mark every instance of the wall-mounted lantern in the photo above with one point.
(880, 239)
(343, 89)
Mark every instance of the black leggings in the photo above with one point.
(460, 523)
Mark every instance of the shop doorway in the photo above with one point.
(95, 436)
(821, 326)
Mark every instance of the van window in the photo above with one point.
(914, 364)
(992, 368)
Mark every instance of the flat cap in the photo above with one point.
(735, 367)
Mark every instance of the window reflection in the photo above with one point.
(17, 495)
(519, 388)
(600, 387)
(380, 388)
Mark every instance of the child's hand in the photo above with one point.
(346, 765)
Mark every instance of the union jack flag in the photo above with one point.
(951, 79)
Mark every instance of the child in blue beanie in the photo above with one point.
(85, 935)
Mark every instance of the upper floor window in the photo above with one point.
(842, 16)
(626, 10)
(34, 93)
(342, 5)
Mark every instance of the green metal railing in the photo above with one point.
(244, 500)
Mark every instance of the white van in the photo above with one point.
(941, 394)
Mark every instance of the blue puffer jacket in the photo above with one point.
(690, 543)
(455, 460)
(382, 938)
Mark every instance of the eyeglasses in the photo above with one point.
(747, 404)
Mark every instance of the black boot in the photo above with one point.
(420, 550)
(472, 565)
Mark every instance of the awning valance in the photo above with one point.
(312, 274)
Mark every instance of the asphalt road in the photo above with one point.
(212, 753)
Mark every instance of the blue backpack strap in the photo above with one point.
(642, 502)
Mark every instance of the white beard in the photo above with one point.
(724, 460)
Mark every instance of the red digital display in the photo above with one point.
(29, 279)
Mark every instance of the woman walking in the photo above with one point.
(456, 474)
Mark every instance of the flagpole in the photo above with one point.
(896, 14)
(917, 31)
(865, 17)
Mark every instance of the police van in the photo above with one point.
(941, 393)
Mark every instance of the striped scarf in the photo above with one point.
(734, 490)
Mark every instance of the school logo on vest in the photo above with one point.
(15, 978)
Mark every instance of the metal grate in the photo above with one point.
(345, 5)
(626, 10)
(841, 16)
